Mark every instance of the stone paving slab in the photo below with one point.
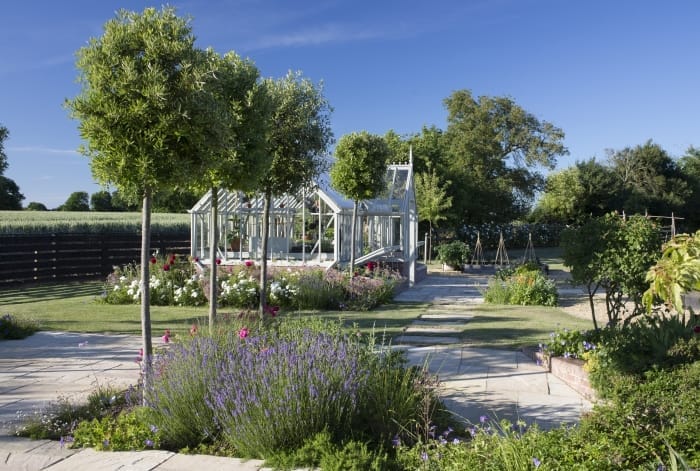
(426, 340)
(438, 315)
(431, 328)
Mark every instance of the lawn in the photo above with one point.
(75, 307)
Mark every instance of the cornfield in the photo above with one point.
(43, 222)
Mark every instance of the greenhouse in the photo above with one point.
(313, 226)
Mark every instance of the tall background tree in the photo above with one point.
(142, 115)
(359, 172)
(76, 201)
(10, 197)
(299, 136)
(494, 150)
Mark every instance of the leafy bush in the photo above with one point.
(454, 254)
(15, 328)
(524, 285)
(128, 431)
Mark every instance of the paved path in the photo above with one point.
(475, 382)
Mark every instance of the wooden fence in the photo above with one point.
(32, 258)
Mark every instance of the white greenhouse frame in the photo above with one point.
(312, 227)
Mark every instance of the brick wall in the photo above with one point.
(572, 373)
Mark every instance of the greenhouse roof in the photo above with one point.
(391, 200)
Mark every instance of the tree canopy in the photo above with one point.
(298, 139)
(359, 171)
(76, 201)
(10, 197)
(144, 114)
(494, 148)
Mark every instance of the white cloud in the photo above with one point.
(45, 150)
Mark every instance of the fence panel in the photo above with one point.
(31, 258)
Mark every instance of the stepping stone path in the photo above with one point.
(452, 302)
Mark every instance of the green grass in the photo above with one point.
(21, 222)
(73, 307)
(517, 326)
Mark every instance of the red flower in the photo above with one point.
(193, 329)
(172, 259)
(243, 333)
(371, 266)
(166, 338)
(272, 310)
(249, 263)
(153, 260)
(166, 267)
(696, 329)
(196, 259)
(218, 261)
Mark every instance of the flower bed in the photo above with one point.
(177, 281)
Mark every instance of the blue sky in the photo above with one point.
(611, 74)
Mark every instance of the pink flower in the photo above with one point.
(218, 261)
(249, 263)
(243, 333)
(166, 337)
(196, 259)
(193, 329)
(139, 357)
(166, 267)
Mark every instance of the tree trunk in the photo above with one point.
(263, 258)
(147, 356)
(353, 223)
(213, 267)
(430, 241)
(591, 293)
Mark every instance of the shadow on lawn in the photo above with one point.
(49, 292)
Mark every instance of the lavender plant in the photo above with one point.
(301, 386)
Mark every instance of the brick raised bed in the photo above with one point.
(569, 370)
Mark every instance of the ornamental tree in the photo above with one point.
(143, 116)
(234, 157)
(613, 253)
(359, 172)
(433, 202)
(299, 136)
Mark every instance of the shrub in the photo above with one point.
(525, 285)
(128, 431)
(15, 328)
(268, 387)
(454, 254)
(300, 386)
